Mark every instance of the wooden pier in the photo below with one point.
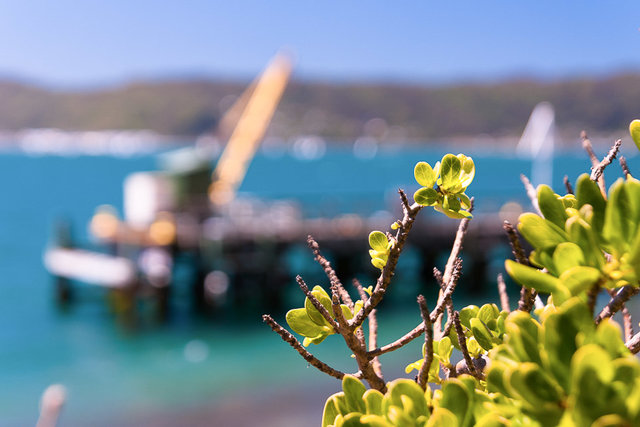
(241, 263)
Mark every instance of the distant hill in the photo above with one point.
(337, 111)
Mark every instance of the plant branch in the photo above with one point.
(293, 342)
(317, 304)
(586, 144)
(567, 185)
(449, 271)
(423, 374)
(592, 296)
(360, 331)
(616, 303)
(447, 325)
(628, 323)
(445, 296)
(418, 330)
(410, 213)
(531, 193)
(357, 347)
(624, 166)
(527, 296)
(373, 329)
(504, 297)
(596, 172)
(400, 342)
(329, 271)
(634, 343)
(463, 346)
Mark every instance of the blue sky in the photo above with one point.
(73, 43)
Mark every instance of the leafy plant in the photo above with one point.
(561, 364)
(451, 176)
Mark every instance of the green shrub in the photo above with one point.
(562, 364)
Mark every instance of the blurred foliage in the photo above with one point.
(331, 110)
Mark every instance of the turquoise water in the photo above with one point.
(106, 367)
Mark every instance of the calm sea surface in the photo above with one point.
(188, 361)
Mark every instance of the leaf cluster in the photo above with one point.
(380, 247)
(556, 366)
(311, 324)
(444, 185)
(565, 370)
(582, 240)
(459, 402)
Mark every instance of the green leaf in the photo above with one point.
(302, 324)
(378, 241)
(611, 420)
(609, 337)
(374, 421)
(331, 411)
(451, 203)
(442, 417)
(465, 201)
(544, 258)
(551, 206)
(531, 277)
(581, 233)
(492, 420)
(522, 333)
(487, 313)
(473, 347)
(317, 339)
(411, 391)
(352, 420)
(559, 341)
(313, 313)
(580, 279)
(378, 263)
(450, 172)
(540, 232)
(539, 384)
(592, 373)
(424, 174)
(346, 312)
(445, 348)
(452, 214)
(415, 365)
(353, 392)
(467, 313)
(567, 255)
(482, 334)
(497, 377)
(426, 196)
(588, 193)
(569, 201)
(634, 130)
(539, 395)
(468, 170)
(373, 401)
(633, 257)
(456, 398)
(632, 186)
(383, 255)
(618, 223)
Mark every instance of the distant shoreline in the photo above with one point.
(334, 111)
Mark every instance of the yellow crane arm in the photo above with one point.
(251, 127)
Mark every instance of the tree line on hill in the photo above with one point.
(335, 111)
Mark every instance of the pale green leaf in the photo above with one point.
(378, 241)
(424, 174)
